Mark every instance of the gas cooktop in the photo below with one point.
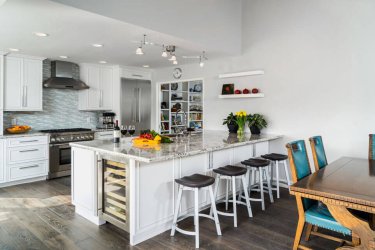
(65, 130)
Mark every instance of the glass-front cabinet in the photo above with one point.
(181, 106)
(114, 191)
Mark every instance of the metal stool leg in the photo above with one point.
(213, 208)
(227, 194)
(176, 211)
(234, 200)
(287, 174)
(246, 196)
(196, 217)
(269, 187)
(277, 180)
(260, 170)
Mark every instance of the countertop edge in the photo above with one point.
(176, 155)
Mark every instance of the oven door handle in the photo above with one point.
(61, 145)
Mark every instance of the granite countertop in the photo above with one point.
(30, 133)
(193, 145)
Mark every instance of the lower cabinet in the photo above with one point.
(2, 161)
(23, 158)
(84, 181)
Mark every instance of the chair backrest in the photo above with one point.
(318, 152)
(299, 165)
(298, 159)
(371, 147)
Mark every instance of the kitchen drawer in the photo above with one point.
(27, 141)
(105, 135)
(30, 153)
(27, 170)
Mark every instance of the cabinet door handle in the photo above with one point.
(28, 141)
(25, 96)
(29, 150)
(33, 166)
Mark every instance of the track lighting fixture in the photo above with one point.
(164, 53)
(139, 50)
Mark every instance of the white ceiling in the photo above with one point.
(72, 31)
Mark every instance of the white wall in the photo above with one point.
(319, 62)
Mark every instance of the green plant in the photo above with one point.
(257, 120)
(231, 119)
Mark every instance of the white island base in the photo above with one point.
(152, 190)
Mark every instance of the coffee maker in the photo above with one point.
(108, 120)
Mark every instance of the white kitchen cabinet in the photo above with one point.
(100, 79)
(2, 161)
(23, 79)
(84, 183)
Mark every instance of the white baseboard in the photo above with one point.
(13, 183)
(89, 215)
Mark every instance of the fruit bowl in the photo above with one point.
(18, 129)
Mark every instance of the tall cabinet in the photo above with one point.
(23, 78)
(101, 80)
(180, 105)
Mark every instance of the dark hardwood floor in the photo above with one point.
(40, 216)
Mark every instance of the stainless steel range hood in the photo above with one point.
(62, 77)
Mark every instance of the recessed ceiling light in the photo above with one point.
(14, 49)
(41, 34)
(63, 57)
(97, 45)
(146, 66)
(102, 62)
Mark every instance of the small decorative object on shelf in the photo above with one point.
(237, 92)
(245, 91)
(256, 123)
(231, 122)
(255, 91)
(228, 89)
(241, 121)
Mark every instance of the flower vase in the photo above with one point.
(241, 130)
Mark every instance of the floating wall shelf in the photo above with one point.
(245, 73)
(259, 95)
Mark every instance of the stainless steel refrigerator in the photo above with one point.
(136, 103)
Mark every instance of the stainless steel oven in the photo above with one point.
(59, 160)
(60, 151)
(113, 190)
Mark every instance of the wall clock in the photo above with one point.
(177, 73)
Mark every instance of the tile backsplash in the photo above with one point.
(60, 110)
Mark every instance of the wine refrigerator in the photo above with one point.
(113, 191)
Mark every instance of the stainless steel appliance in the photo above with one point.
(108, 120)
(60, 151)
(113, 190)
(62, 76)
(136, 103)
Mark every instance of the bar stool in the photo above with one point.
(194, 183)
(231, 173)
(260, 166)
(275, 160)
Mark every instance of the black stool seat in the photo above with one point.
(256, 162)
(196, 181)
(230, 170)
(275, 157)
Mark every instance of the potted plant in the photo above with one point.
(231, 122)
(241, 121)
(256, 123)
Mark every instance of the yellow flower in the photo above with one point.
(157, 138)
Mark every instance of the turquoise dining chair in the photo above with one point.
(318, 152)
(311, 212)
(371, 148)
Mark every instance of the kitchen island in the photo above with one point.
(146, 177)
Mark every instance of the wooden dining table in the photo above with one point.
(347, 183)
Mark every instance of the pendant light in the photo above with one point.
(164, 53)
(175, 62)
(202, 58)
(139, 50)
(173, 58)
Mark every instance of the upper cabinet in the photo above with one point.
(101, 81)
(23, 79)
